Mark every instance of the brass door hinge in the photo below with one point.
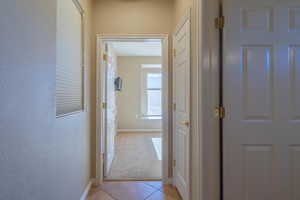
(105, 57)
(104, 105)
(174, 53)
(220, 22)
(220, 112)
(102, 155)
(174, 163)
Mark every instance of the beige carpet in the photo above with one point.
(138, 156)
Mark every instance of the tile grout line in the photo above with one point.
(152, 194)
(146, 183)
(108, 194)
(156, 189)
(114, 198)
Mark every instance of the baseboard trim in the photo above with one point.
(86, 190)
(139, 130)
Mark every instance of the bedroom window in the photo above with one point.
(151, 91)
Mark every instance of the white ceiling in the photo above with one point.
(137, 48)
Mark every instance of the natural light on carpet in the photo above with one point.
(157, 146)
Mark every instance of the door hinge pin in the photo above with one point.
(174, 163)
(174, 106)
(220, 22)
(104, 105)
(220, 112)
(174, 52)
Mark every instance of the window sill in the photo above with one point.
(145, 117)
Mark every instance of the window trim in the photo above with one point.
(143, 96)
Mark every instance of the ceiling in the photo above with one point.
(137, 48)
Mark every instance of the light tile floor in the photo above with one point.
(134, 190)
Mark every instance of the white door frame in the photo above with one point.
(101, 39)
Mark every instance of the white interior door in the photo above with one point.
(181, 85)
(111, 110)
(262, 99)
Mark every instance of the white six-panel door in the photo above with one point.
(181, 93)
(262, 100)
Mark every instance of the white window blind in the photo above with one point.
(153, 92)
(69, 71)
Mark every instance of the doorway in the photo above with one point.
(133, 119)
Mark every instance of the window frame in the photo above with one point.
(146, 69)
(81, 11)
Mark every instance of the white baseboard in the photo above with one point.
(86, 190)
(139, 130)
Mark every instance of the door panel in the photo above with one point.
(261, 94)
(257, 90)
(295, 172)
(180, 89)
(295, 81)
(181, 92)
(257, 161)
(294, 19)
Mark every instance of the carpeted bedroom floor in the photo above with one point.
(138, 156)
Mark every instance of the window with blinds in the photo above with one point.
(69, 70)
(151, 94)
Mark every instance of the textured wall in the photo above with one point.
(129, 99)
(41, 157)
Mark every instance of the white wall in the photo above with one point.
(129, 99)
(41, 157)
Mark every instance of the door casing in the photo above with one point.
(206, 57)
(100, 122)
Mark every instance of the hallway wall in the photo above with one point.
(180, 8)
(133, 17)
(128, 17)
(41, 157)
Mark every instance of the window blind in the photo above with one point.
(69, 71)
(151, 85)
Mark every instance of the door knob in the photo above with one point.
(185, 123)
